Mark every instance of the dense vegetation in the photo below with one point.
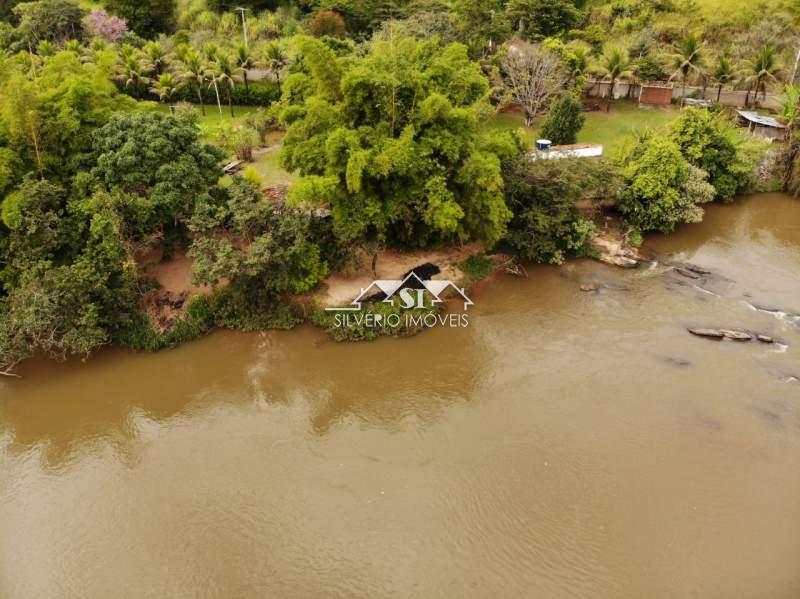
(387, 111)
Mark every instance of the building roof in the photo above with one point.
(760, 119)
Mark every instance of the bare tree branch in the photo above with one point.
(533, 74)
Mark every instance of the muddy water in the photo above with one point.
(566, 444)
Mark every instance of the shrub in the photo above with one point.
(477, 267)
(663, 188)
(140, 335)
(707, 142)
(564, 120)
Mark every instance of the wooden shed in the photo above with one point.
(763, 126)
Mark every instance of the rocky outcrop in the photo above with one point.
(610, 246)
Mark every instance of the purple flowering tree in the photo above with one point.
(103, 25)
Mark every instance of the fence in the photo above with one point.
(736, 98)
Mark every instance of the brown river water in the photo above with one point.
(565, 444)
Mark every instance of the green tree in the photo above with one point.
(662, 189)
(543, 195)
(687, 57)
(390, 141)
(564, 120)
(724, 73)
(50, 20)
(68, 288)
(482, 24)
(614, 65)
(707, 142)
(155, 57)
(148, 18)
(193, 73)
(159, 158)
(49, 119)
(763, 67)
(262, 253)
(165, 86)
(274, 58)
(132, 73)
(537, 19)
(245, 62)
(226, 72)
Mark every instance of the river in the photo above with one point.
(565, 444)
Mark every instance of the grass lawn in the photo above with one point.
(612, 129)
(267, 165)
(212, 118)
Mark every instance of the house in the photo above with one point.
(762, 126)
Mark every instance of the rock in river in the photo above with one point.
(722, 334)
(687, 273)
(709, 333)
(736, 335)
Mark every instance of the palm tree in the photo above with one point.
(210, 51)
(615, 64)
(275, 58)
(688, 57)
(212, 76)
(126, 50)
(579, 61)
(46, 48)
(133, 73)
(225, 72)
(763, 67)
(73, 46)
(244, 61)
(723, 74)
(165, 86)
(193, 72)
(156, 57)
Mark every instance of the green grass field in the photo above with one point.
(212, 119)
(612, 129)
(268, 167)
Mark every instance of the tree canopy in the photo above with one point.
(391, 142)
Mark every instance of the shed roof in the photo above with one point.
(760, 119)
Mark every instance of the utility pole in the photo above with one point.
(242, 10)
